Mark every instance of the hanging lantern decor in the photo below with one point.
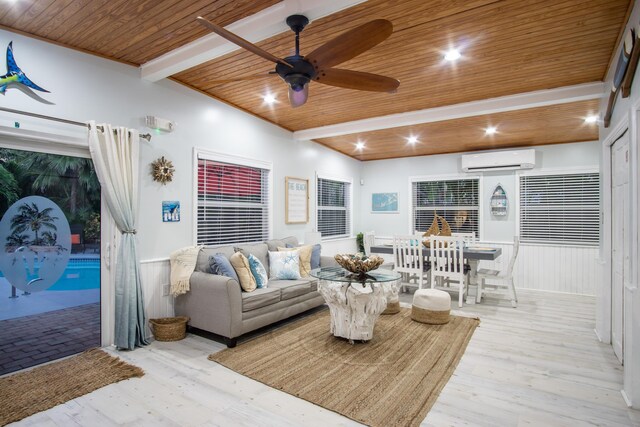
(499, 202)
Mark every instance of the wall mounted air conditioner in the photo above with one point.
(499, 160)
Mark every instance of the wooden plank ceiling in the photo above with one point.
(129, 31)
(508, 47)
(522, 128)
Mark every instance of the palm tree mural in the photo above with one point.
(30, 217)
(16, 240)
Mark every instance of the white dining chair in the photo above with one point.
(369, 239)
(469, 238)
(447, 264)
(500, 281)
(408, 258)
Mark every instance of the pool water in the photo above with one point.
(80, 274)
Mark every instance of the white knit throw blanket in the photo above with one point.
(183, 262)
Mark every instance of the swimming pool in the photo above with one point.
(80, 274)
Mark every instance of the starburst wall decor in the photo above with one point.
(162, 170)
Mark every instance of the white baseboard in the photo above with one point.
(626, 398)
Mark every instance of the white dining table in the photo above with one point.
(473, 254)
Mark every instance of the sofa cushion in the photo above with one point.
(258, 250)
(316, 252)
(273, 245)
(219, 264)
(202, 264)
(291, 288)
(260, 298)
(258, 271)
(241, 265)
(305, 258)
(284, 265)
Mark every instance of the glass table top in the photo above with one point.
(339, 274)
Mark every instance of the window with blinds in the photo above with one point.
(233, 203)
(455, 200)
(334, 208)
(562, 208)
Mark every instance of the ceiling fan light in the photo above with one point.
(299, 97)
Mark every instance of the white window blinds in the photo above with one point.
(233, 203)
(455, 200)
(334, 208)
(562, 208)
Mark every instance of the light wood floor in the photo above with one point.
(537, 365)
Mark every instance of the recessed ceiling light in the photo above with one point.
(452, 55)
(412, 139)
(269, 98)
(360, 145)
(593, 118)
(491, 130)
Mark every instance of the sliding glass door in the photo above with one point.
(49, 257)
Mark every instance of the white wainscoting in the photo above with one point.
(555, 268)
(154, 275)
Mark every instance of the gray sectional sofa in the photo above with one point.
(217, 304)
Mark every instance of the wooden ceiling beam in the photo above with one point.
(519, 101)
(255, 28)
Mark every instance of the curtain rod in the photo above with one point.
(146, 136)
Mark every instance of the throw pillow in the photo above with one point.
(315, 255)
(258, 271)
(241, 265)
(284, 265)
(219, 264)
(305, 258)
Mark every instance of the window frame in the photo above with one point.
(346, 180)
(558, 171)
(448, 177)
(205, 154)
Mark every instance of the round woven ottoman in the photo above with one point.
(431, 306)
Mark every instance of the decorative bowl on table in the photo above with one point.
(358, 263)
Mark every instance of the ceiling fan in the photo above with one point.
(298, 71)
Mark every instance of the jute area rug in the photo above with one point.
(393, 380)
(44, 387)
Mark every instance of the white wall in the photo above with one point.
(625, 118)
(393, 176)
(555, 268)
(85, 87)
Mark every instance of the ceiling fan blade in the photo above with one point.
(212, 83)
(350, 44)
(357, 80)
(240, 41)
(298, 98)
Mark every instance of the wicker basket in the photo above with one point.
(169, 328)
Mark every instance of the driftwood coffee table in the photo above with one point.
(355, 302)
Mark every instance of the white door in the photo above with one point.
(620, 238)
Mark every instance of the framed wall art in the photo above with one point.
(296, 200)
(171, 211)
(384, 202)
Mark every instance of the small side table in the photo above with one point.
(355, 302)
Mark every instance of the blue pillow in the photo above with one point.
(315, 255)
(258, 271)
(219, 264)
